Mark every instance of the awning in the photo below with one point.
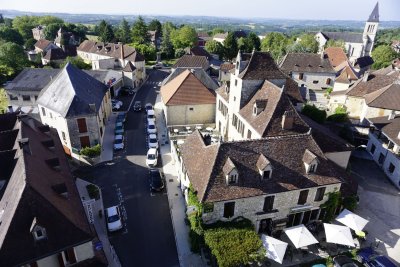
(275, 248)
(300, 236)
(338, 234)
(352, 220)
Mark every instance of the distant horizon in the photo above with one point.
(341, 10)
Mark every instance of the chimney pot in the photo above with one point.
(365, 78)
(287, 120)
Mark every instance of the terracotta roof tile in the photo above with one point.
(387, 97)
(391, 128)
(374, 82)
(188, 61)
(111, 50)
(336, 56)
(42, 43)
(306, 62)
(261, 66)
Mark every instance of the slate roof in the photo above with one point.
(55, 54)
(200, 74)
(269, 121)
(336, 56)
(363, 62)
(71, 92)
(387, 97)
(306, 62)
(346, 73)
(374, 17)
(42, 44)
(198, 51)
(30, 79)
(29, 194)
(348, 37)
(261, 66)
(204, 165)
(189, 61)
(391, 128)
(373, 83)
(186, 89)
(111, 50)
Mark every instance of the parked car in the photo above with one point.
(151, 116)
(158, 65)
(127, 91)
(114, 222)
(148, 106)
(343, 261)
(121, 117)
(151, 127)
(116, 102)
(137, 106)
(156, 182)
(153, 142)
(116, 107)
(371, 258)
(119, 130)
(118, 142)
(119, 124)
(152, 156)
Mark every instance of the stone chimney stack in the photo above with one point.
(365, 77)
(287, 120)
(92, 107)
(121, 46)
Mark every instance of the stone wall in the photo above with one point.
(315, 81)
(190, 114)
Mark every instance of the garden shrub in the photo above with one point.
(314, 113)
(91, 152)
(93, 191)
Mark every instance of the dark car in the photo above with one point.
(121, 117)
(156, 182)
(137, 106)
(369, 257)
(127, 91)
(343, 261)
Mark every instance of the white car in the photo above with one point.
(153, 142)
(151, 116)
(119, 142)
(114, 222)
(151, 127)
(152, 156)
(116, 102)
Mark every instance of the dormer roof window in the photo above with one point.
(38, 232)
(310, 161)
(264, 167)
(259, 106)
(230, 171)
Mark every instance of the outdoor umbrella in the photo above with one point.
(352, 220)
(275, 248)
(300, 236)
(338, 234)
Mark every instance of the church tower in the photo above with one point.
(371, 27)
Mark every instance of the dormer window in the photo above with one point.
(259, 106)
(310, 161)
(230, 171)
(264, 167)
(38, 232)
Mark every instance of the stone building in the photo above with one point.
(77, 106)
(356, 44)
(43, 221)
(312, 71)
(38, 32)
(188, 97)
(275, 182)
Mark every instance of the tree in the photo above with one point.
(46, 20)
(230, 46)
(13, 58)
(383, 55)
(77, 62)
(184, 37)
(30, 44)
(216, 31)
(123, 32)
(50, 32)
(9, 34)
(335, 43)
(25, 24)
(155, 25)
(255, 41)
(215, 47)
(106, 33)
(305, 43)
(79, 30)
(245, 44)
(167, 48)
(147, 50)
(139, 32)
(275, 43)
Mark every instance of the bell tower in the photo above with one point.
(371, 27)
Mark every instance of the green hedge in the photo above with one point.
(338, 117)
(314, 113)
(93, 191)
(234, 247)
(91, 152)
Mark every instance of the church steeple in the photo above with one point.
(374, 17)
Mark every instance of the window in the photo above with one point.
(229, 209)
(236, 82)
(232, 179)
(85, 141)
(328, 81)
(391, 168)
(373, 147)
(82, 125)
(13, 97)
(234, 120)
(381, 158)
(266, 174)
(248, 134)
(320, 194)
(315, 82)
(268, 203)
(36, 97)
(312, 168)
(26, 97)
(303, 197)
(63, 136)
(43, 111)
(51, 115)
(191, 109)
(301, 76)
(352, 51)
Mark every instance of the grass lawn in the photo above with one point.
(3, 100)
(169, 62)
(93, 38)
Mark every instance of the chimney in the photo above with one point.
(365, 78)
(92, 107)
(287, 120)
(322, 55)
(122, 55)
(24, 145)
(392, 115)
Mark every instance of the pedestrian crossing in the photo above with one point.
(153, 83)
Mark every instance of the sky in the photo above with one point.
(286, 9)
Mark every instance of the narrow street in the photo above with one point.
(147, 238)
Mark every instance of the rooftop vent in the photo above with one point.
(287, 120)
(38, 232)
(49, 144)
(44, 128)
(54, 163)
(60, 189)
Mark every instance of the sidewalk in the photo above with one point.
(98, 223)
(107, 152)
(175, 197)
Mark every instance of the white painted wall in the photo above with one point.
(84, 251)
(320, 78)
(50, 261)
